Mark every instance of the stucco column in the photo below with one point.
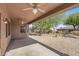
(27, 29)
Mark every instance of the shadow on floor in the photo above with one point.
(20, 42)
(17, 43)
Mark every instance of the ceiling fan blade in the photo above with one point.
(41, 4)
(41, 10)
(31, 4)
(27, 9)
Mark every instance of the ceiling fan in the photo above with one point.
(34, 8)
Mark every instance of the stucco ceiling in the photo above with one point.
(15, 10)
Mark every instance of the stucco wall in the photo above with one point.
(4, 40)
(16, 29)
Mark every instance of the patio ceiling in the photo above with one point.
(15, 10)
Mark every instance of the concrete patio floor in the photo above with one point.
(30, 47)
(31, 50)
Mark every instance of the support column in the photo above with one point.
(27, 29)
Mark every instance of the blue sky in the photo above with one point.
(72, 11)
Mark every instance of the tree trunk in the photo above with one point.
(40, 32)
(74, 27)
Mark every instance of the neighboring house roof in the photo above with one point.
(66, 27)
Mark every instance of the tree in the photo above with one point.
(42, 26)
(73, 20)
(45, 24)
(58, 19)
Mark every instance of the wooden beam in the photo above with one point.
(57, 9)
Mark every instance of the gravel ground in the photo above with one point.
(68, 45)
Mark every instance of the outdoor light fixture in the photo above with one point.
(5, 21)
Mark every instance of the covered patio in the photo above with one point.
(14, 29)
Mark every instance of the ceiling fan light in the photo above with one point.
(22, 22)
(35, 11)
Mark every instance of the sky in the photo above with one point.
(72, 11)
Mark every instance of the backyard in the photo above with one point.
(60, 32)
(67, 45)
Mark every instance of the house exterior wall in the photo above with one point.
(16, 30)
(4, 40)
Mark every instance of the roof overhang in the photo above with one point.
(16, 13)
(60, 9)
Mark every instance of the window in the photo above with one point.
(7, 28)
(22, 29)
